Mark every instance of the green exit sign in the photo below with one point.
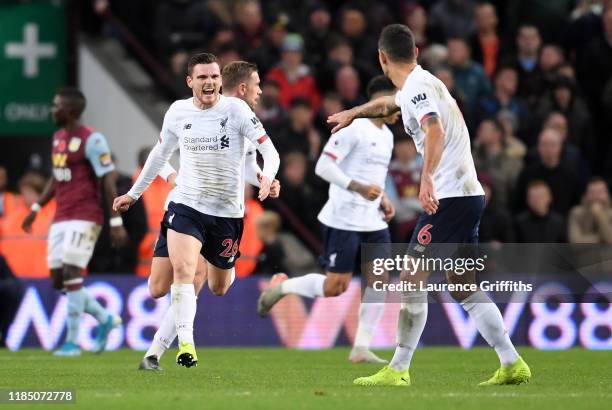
(32, 66)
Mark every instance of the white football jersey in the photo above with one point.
(422, 96)
(363, 152)
(212, 152)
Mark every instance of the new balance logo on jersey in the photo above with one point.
(187, 126)
(255, 121)
(418, 98)
(224, 142)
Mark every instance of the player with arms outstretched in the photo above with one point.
(82, 165)
(450, 194)
(240, 79)
(355, 162)
(206, 213)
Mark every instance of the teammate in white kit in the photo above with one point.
(451, 196)
(240, 79)
(206, 213)
(355, 162)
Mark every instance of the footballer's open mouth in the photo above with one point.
(208, 91)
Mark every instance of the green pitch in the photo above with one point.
(442, 378)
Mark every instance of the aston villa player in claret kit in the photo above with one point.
(82, 167)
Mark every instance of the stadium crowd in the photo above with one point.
(533, 79)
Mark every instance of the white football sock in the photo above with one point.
(184, 302)
(310, 285)
(490, 324)
(164, 336)
(370, 312)
(410, 325)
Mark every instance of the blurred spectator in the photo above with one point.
(539, 224)
(486, 43)
(11, 293)
(491, 157)
(181, 27)
(403, 187)
(293, 77)
(109, 259)
(298, 194)
(591, 221)
(453, 18)
(8, 201)
(525, 61)
(250, 243)
(496, 223)
(250, 28)
(272, 257)
(348, 87)
(445, 75)
(551, 16)
(415, 17)
(504, 98)
(317, 33)
(570, 154)
(551, 58)
(353, 26)
(14, 240)
(585, 25)
(269, 112)
(578, 122)
(433, 56)
(515, 148)
(299, 133)
(561, 179)
(226, 53)
(331, 104)
(469, 76)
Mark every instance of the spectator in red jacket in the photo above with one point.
(294, 77)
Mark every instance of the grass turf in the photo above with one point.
(443, 378)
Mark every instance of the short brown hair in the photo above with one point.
(201, 58)
(237, 72)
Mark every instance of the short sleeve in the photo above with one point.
(98, 153)
(420, 99)
(340, 144)
(250, 126)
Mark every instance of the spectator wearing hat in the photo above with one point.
(294, 77)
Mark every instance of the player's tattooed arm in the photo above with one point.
(47, 194)
(377, 108)
(434, 145)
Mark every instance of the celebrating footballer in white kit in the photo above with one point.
(355, 161)
(451, 196)
(205, 216)
(240, 79)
